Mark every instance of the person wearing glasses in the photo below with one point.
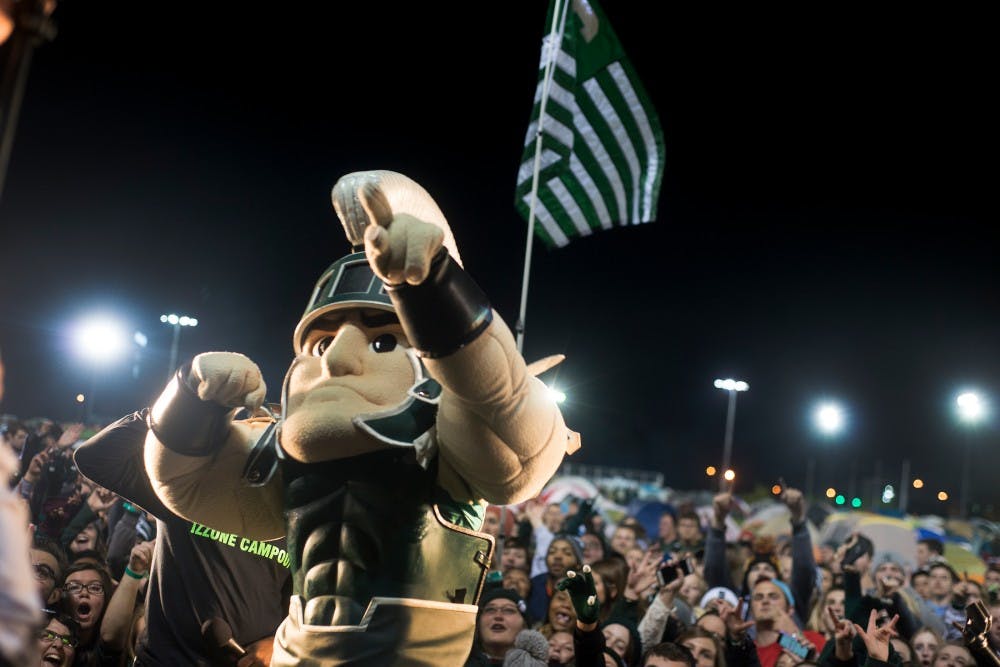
(58, 640)
(86, 591)
(48, 562)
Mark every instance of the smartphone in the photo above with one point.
(790, 643)
(665, 575)
(861, 547)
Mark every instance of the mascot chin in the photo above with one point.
(406, 410)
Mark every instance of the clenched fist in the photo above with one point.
(227, 378)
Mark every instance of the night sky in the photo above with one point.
(824, 226)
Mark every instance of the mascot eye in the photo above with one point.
(320, 346)
(384, 343)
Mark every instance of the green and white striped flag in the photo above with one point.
(601, 154)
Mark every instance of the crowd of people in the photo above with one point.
(118, 579)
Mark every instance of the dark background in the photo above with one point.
(825, 223)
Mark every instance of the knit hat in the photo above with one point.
(506, 594)
(531, 649)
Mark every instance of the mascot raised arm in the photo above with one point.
(406, 410)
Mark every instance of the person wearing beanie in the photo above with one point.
(764, 562)
(565, 553)
(531, 649)
(502, 615)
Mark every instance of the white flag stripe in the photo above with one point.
(594, 143)
(527, 168)
(645, 129)
(564, 61)
(593, 194)
(569, 204)
(624, 142)
(548, 222)
(554, 128)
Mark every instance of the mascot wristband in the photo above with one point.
(444, 313)
(184, 423)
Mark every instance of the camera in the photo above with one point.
(667, 573)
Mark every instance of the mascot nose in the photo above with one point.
(344, 355)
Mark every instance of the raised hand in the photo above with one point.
(38, 463)
(722, 504)
(583, 594)
(796, 504)
(227, 378)
(643, 576)
(876, 638)
(403, 228)
(732, 616)
(141, 557)
(69, 436)
(101, 500)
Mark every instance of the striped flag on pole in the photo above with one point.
(598, 159)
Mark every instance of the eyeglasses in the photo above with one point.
(94, 588)
(46, 635)
(43, 572)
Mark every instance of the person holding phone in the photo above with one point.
(773, 607)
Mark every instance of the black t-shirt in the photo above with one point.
(198, 573)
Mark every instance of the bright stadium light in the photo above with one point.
(556, 395)
(733, 387)
(100, 338)
(829, 418)
(971, 407)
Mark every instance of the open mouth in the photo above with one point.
(563, 618)
(83, 611)
(52, 657)
(498, 627)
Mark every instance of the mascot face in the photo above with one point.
(353, 362)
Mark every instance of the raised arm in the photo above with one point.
(196, 455)
(501, 436)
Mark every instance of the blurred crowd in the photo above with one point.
(113, 578)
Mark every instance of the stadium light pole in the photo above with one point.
(971, 411)
(176, 321)
(100, 339)
(733, 387)
(829, 420)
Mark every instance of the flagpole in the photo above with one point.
(555, 43)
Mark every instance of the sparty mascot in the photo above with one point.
(406, 410)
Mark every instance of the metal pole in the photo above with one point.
(727, 450)
(966, 476)
(904, 487)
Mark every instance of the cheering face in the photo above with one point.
(352, 363)
(953, 656)
(925, 646)
(560, 558)
(623, 539)
(561, 649)
(616, 638)
(87, 597)
(513, 557)
(666, 529)
(499, 624)
(519, 581)
(703, 649)
(835, 601)
(56, 646)
(46, 575)
(940, 582)
(85, 540)
(767, 601)
(561, 616)
(593, 549)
